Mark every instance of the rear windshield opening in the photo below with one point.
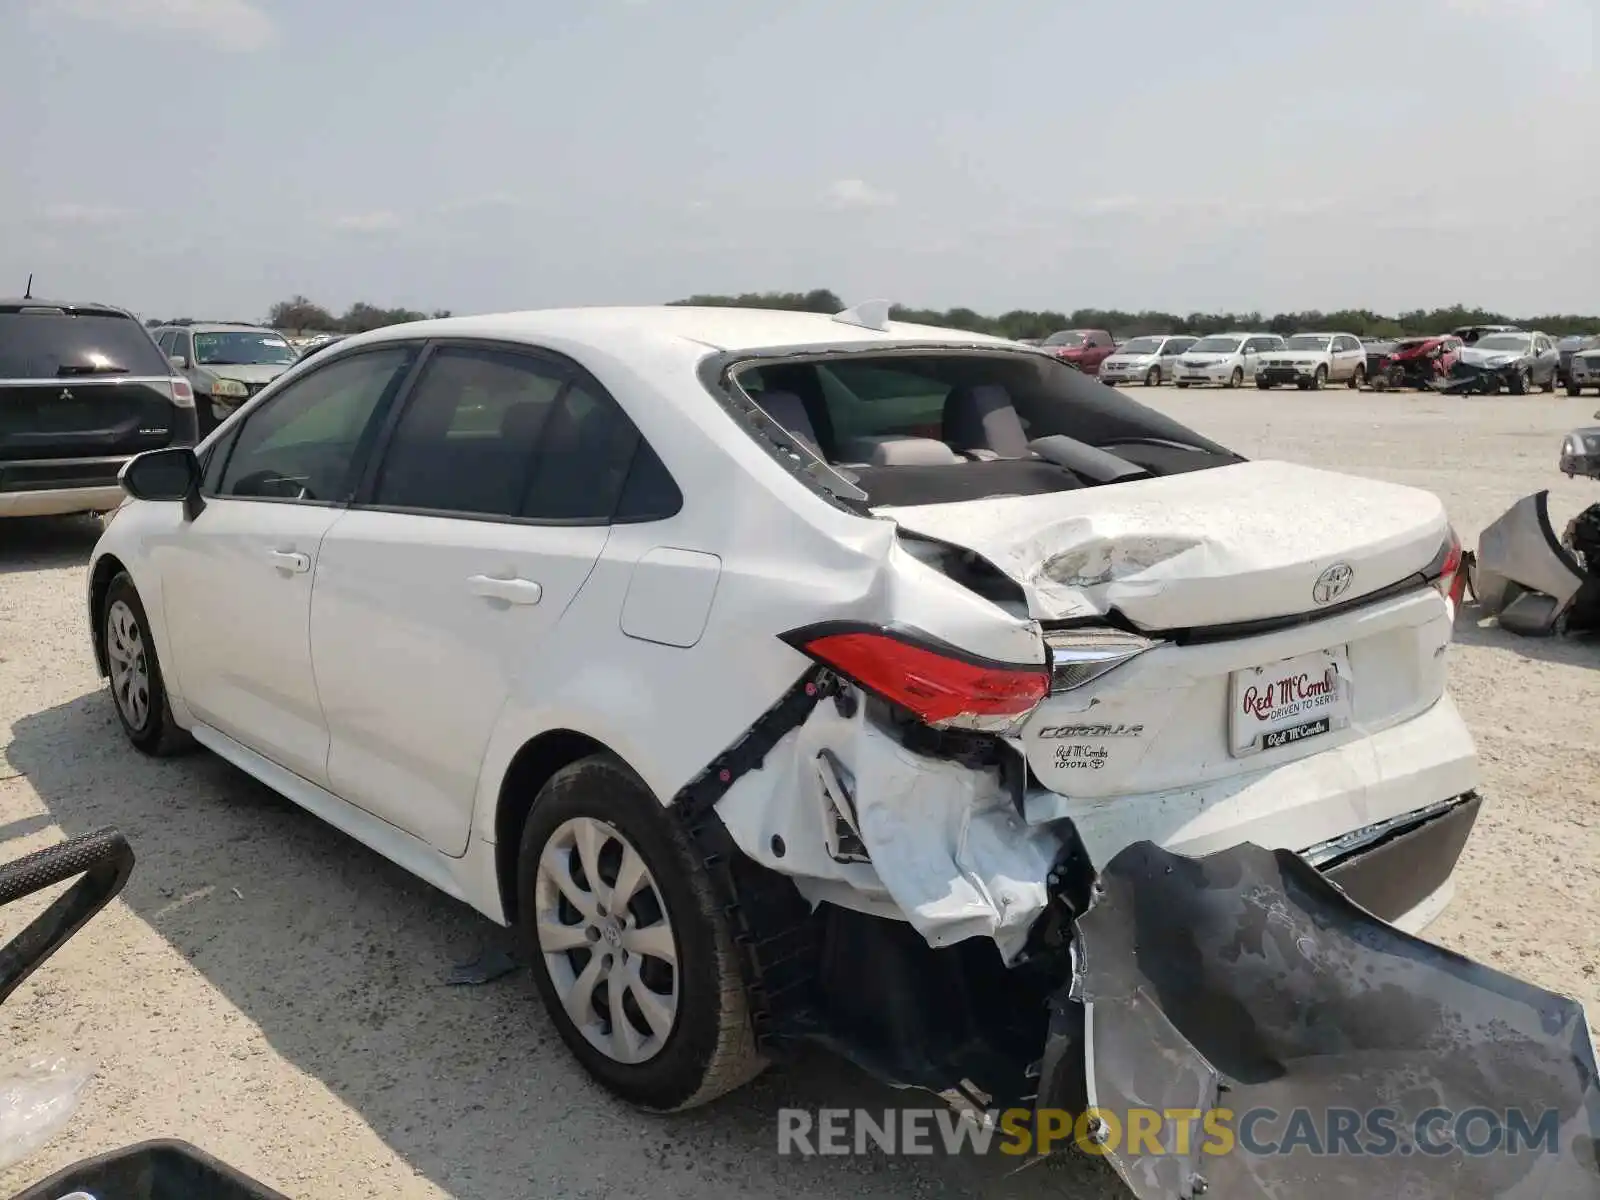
(939, 427)
(45, 343)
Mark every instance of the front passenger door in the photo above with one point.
(237, 579)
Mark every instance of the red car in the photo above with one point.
(1414, 362)
(1085, 349)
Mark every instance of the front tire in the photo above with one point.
(1152, 377)
(1237, 378)
(1574, 390)
(1521, 382)
(630, 950)
(138, 690)
(1320, 379)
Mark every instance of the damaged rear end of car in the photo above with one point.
(1120, 782)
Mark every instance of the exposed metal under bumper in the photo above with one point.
(1246, 981)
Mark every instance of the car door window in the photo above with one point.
(165, 342)
(303, 443)
(587, 452)
(467, 439)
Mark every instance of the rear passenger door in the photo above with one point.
(486, 508)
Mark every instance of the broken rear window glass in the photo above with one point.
(935, 426)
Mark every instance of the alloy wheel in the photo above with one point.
(607, 940)
(130, 666)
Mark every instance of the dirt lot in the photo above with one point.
(274, 992)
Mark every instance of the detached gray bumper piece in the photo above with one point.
(1247, 981)
(1523, 574)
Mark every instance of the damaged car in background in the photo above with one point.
(1516, 361)
(1526, 577)
(1422, 363)
(784, 679)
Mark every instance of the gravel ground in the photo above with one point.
(274, 992)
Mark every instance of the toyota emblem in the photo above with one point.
(1332, 583)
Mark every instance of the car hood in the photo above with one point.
(1297, 356)
(1207, 360)
(246, 373)
(1132, 360)
(1484, 358)
(1244, 542)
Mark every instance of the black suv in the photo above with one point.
(83, 388)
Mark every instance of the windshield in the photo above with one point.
(1215, 345)
(1067, 337)
(247, 348)
(1141, 346)
(1308, 341)
(1503, 341)
(1575, 342)
(51, 343)
(940, 426)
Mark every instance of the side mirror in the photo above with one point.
(178, 361)
(170, 474)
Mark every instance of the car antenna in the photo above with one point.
(869, 314)
(28, 295)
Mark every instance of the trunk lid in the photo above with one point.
(84, 417)
(1245, 542)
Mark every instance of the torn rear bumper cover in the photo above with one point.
(1245, 980)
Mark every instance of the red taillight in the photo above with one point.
(939, 684)
(182, 393)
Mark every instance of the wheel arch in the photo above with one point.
(106, 568)
(532, 766)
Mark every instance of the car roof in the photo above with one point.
(619, 331)
(221, 327)
(93, 308)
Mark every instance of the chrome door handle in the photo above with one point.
(289, 560)
(512, 591)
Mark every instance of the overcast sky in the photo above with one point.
(207, 157)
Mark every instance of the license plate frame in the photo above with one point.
(1302, 697)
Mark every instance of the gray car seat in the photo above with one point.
(788, 410)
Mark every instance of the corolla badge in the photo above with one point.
(1332, 583)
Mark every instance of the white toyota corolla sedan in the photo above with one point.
(782, 676)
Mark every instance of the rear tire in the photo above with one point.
(666, 947)
(1358, 379)
(1237, 378)
(1550, 385)
(138, 691)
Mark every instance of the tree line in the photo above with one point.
(298, 314)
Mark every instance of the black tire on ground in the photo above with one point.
(1264, 385)
(1521, 382)
(1152, 377)
(1357, 379)
(131, 650)
(1319, 379)
(710, 1048)
(1574, 390)
(1550, 385)
(1303, 384)
(1237, 378)
(1380, 383)
(1180, 385)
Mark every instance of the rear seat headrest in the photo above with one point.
(911, 452)
(982, 418)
